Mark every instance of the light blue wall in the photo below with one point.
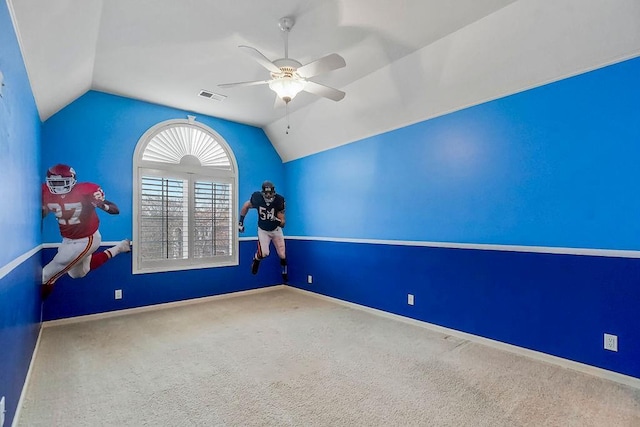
(19, 150)
(556, 166)
(553, 166)
(19, 219)
(97, 135)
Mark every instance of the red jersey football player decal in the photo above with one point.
(74, 205)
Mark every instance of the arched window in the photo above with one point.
(185, 199)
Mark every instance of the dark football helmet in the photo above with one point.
(268, 191)
(61, 179)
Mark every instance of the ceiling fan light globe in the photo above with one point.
(287, 87)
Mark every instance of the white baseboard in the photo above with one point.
(554, 360)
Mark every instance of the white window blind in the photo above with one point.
(212, 220)
(186, 199)
(164, 219)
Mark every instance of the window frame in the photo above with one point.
(191, 173)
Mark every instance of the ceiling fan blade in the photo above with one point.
(322, 65)
(260, 58)
(325, 91)
(253, 83)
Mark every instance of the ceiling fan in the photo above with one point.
(288, 76)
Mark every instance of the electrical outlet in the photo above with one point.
(610, 342)
(410, 299)
(118, 294)
(2, 411)
(309, 279)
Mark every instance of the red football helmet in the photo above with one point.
(61, 179)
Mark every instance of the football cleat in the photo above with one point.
(285, 276)
(254, 266)
(122, 247)
(45, 290)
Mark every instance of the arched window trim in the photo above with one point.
(228, 174)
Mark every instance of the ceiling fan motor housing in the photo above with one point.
(287, 63)
(286, 72)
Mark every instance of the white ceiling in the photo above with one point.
(407, 60)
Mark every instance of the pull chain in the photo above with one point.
(288, 127)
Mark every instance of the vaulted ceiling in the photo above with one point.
(407, 60)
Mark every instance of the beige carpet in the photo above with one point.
(284, 358)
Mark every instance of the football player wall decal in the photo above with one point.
(74, 205)
(271, 219)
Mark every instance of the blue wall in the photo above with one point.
(97, 135)
(94, 293)
(556, 166)
(19, 219)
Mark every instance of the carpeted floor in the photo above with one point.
(285, 358)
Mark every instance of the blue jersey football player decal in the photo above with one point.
(271, 219)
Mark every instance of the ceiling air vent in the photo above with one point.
(211, 95)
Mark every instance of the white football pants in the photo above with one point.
(266, 237)
(73, 257)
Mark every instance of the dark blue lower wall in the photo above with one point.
(94, 293)
(556, 304)
(19, 328)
